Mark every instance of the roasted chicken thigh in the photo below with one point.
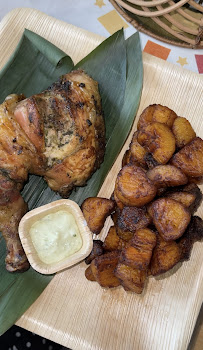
(58, 134)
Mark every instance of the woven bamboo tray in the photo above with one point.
(175, 22)
(75, 312)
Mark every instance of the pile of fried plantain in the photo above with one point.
(153, 204)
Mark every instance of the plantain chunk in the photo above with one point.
(130, 220)
(133, 188)
(194, 190)
(165, 256)
(157, 113)
(133, 218)
(137, 152)
(95, 211)
(190, 158)
(193, 234)
(182, 131)
(150, 161)
(161, 191)
(126, 157)
(88, 274)
(167, 175)
(113, 241)
(131, 279)
(115, 215)
(198, 180)
(159, 140)
(103, 267)
(152, 205)
(97, 250)
(138, 252)
(186, 198)
(170, 217)
(120, 205)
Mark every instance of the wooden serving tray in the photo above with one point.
(80, 314)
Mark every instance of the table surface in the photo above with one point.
(100, 17)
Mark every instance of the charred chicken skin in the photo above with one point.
(58, 134)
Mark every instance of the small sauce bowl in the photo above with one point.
(34, 216)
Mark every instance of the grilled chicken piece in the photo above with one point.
(17, 153)
(17, 156)
(58, 134)
(12, 208)
(65, 124)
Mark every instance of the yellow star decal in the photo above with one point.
(182, 61)
(99, 3)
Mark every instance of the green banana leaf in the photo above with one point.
(36, 63)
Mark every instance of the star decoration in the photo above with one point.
(182, 61)
(99, 3)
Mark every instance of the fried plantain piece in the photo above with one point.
(103, 267)
(130, 220)
(190, 158)
(193, 234)
(133, 188)
(115, 215)
(138, 252)
(195, 190)
(183, 131)
(186, 198)
(198, 180)
(125, 235)
(189, 195)
(89, 275)
(167, 175)
(126, 157)
(149, 210)
(137, 152)
(170, 217)
(119, 204)
(157, 113)
(165, 256)
(150, 161)
(131, 279)
(161, 191)
(113, 241)
(97, 250)
(159, 140)
(95, 211)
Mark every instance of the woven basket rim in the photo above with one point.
(144, 30)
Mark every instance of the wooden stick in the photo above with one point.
(185, 14)
(178, 24)
(169, 30)
(134, 22)
(148, 3)
(195, 5)
(150, 13)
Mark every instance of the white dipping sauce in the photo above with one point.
(56, 236)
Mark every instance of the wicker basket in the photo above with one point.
(179, 23)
